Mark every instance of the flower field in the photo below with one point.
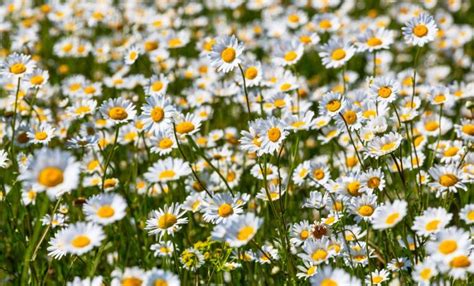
(260, 142)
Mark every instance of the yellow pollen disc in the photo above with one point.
(176, 42)
(82, 109)
(318, 174)
(389, 146)
(37, 79)
(80, 241)
(251, 73)
(391, 219)
(118, 113)
(384, 91)
(157, 114)
(325, 24)
(305, 39)
(304, 234)
(131, 281)
(290, 56)
(41, 135)
(245, 233)
(333, 105)
(451, 151)
(167, 174)
(338, 54)
(432, 225)
(461, 261)
(184, 127)
(373, 182)
(17, 68)
(274, 134)
(110, 183)
(353, 188)
(230, 176)
(440, 98)
(157, 86)
(225, 210)
(470, 215)
(279, 103)
(51, 177)
(366, 210)
(337, 206)
(468, 129)
(228, 55)
(167, 220)
(311, 270)
(165, 143)
(420, 30)
(425, 274)
(448, 180)
(447, 246)
(319, 254)
(377, 279)
(105, 211)
(286, 86)
(293, 18)
(160, 282)
(133, 55)
(350, 117)
(374, 42)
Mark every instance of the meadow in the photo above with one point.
(260, 142)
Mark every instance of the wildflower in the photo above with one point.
(169, 169)
(336, 53)
(420, 30)
(105, 208)
(225, 53)
(118, 110)
(239, 230)
(388, 215)
(82, 237)
(166, 220)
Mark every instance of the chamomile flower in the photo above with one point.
(37, 78)
(105, 208)
(377, 277)
(384, 145)
(157, 113)
(17, 66)
(157, 85)
(431, 221)
(467, 213)
(82, 237)
(389, 214)
(300, 232)
(161, 277)
(221, 207)
(41, 134)
(272, 132)
(316, 251)
(237, 231)
(334, 277)
(447, 178)
(465, 130)
(424, 271)
(163, 249)
(188, 124)
(336, 53)
(225, 53)
(448, 243)
(82, 107)
(364, 207)
(287, 53)
(420, 30)
(168, 219)
(54, 171)
(306, 270)
(331, 104)
(163, 142)
(253, 74)
(375, 39)
(165, 170)
(118, 110)
(385, 89)
(131, 54)
(373, 179)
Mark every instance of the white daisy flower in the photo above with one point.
(237, 231)
(221, 208)
(169, 169)
(82, 237)
(105, 208)
(157, 113)
(131, 54)
(157, 85)
(420, 30)
(159, 277)
(225, 53)
(118, 110)
(389, 214)
(17, 66)
(336, 52)
(431, 221)
(168, 219)
(384, 145)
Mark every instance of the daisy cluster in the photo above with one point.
(237, 142)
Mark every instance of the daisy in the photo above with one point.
(301, 121)
(373, 179)
(385, 89)
(389, 214)
(420, 30)
(307, 270)
(157, 85)
(377, 277)
(163, 249)
(225, 53)
(167, 220)
(384, 145)
(272, 132)
(447, 178)
(300, 232)
(161, 277)
(118, 110)
(187, 125)
(336, 52)
(41, 134)
(58, 219)
(169, 169)
(459, 266)
(129, 276)
(81, 237)
(375, 39)
(326, 22)
(331, 104)
(54, 171)
(424, 271)
(447, 243)
(237, 231)
(17, 66)
(131, 54)
(105, 208)
(431, 221)
(157, 113)
(316, 251)
(37, 78)
(221, 208)
(82, 107)
(334, 277)
(163, 142)
(364, 207)
(252, 74)
(467, 213)
(466, 130)
(287, 53)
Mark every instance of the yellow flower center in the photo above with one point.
(286, 86)
(353, 188)
(373, 182)
(82, 109)
(325, 24)
(305, 39)
(432, 225)
(165, 143)
(451, 151)
(228, 55)
(185, 127)
(157, 114)
(157, 86)
(333, 105)
(468, 129)
(110, 183)
(41, 135)
(374, 42)
(439, 98)
(385, 91)
(304, 234)
(133, 55)
(160, 282)
(290, 56)
(51, 177)
(293, 18)
(425, 274)
(274, 134)
(328, 282)
(131, 281)
(167, 220)
(389, 146)
(377, 279)
(420, 30)
(366, 210)
(470, 215)
(176, 42)
(251, 73)
(105, 211)
(350, 117)
(118, 113)
(37, 79)
(225, 210)
(318, 174)
(311, 271)
(448, 180)
(245, 233)
(338, 54)
(80, 241)
(17, 68)
(167, 174)
(279, 103)
(461, 261)
(319, 254)
(391, 219)
(447, 246)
